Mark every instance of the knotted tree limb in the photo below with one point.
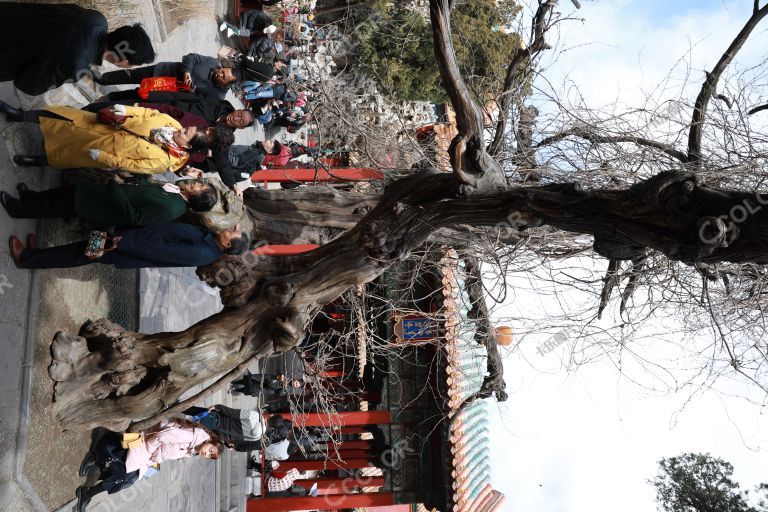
(710, 84)
(110, 377)
(484, 334)
(475, 170)
(198, 398)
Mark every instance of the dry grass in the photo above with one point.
(122, 12)
(176, 12)
(117, 12)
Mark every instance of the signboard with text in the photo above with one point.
(416, 328)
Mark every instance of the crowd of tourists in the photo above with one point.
(174, 196)
(170, 194)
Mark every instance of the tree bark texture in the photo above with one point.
(110, 377)
(307, 215)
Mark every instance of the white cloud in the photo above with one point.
(587, 441)
(614, 54)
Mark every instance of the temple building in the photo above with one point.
(410, 418)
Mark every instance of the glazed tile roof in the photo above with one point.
(468, 432)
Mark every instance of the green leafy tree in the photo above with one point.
(397, 47)
(695, 482)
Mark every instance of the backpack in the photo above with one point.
(256, 71)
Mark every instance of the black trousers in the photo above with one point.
(110, 456)
(62, 256)
(56, 202)
(127, 76)
(251, 385)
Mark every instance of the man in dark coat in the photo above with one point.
(252, 383)
(111, 204)
(205, 75)
(232, 425)
(164, 245)
(240, 161)
(215, 112)
(42, 45)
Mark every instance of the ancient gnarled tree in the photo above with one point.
(113, 378)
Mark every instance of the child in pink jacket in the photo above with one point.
(120, 468)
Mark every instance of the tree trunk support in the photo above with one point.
(284, 249)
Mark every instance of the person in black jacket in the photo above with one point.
(252, 383)
(164, 245)
(205, 75)
(232, 425)
(44, 45)
(214, 111)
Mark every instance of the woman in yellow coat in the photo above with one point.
(149, 143)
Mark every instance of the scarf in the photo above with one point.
(172, 189)
(164, 137)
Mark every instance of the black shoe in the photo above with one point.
(10, 204)
(23, 190)
(28, 160)
(89, 462)
(12, 114)
(83, 498)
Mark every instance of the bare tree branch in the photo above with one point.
(758, 109)
(520, 60)
(710, 84)
(638, 264)
(485, 334)
(610, 280)
(605, 139)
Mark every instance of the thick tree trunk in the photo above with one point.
(112, 377)
(307, 215)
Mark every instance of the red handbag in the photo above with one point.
(110, 118)
(161, 83)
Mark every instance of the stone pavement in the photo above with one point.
(38, 464)
(174, 299)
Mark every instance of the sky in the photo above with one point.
(587, 439)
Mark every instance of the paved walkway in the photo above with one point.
(36, 462)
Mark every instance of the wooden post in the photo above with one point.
(325, 464)
(341, 485)
(312, 175)
(339, 419)
(328, 502)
